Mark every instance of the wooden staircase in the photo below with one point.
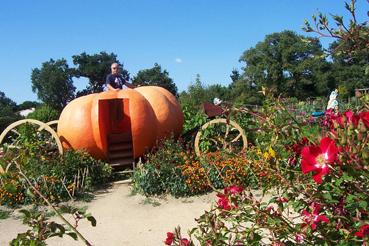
(120, 150)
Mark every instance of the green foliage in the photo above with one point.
(349, 71)
(245, 92)
(198, 93)
(193, 119)
(53, 83)
(7, 116)
(160, 173)
(353, 35)
(44, 113)
(7, 111)
(5, 101)
(57, 177)
(42, 228)
(350, 51)
(155, 77)
(235, 75)
(4, 214)
(28, 105)
(288, 64)
(95, 67)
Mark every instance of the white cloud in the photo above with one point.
(178, 60)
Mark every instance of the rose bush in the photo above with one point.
(317, 191)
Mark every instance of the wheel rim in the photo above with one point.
(230, 125)
(43, 126)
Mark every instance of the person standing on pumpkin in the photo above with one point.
(115, 80)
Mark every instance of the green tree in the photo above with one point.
(155, 77)
(349, 69)
(53, 83)
(350, 51)
(288, 64)
(195, 95)
(95, 67)
(244, 91)
(27, 105)
(235, 75)
(6, 102)
(7, 111)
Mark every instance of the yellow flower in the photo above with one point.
(266, 155)
(271, 152)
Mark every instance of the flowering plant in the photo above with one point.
(321, 197)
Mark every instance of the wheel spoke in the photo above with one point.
(227, 132)
(15, 131)
(236, 138)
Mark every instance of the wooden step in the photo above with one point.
(122, 162)
(119, 155)
(120, 147)
(119, 138)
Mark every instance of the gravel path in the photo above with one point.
(124, 219)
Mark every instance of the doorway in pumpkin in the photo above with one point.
(116, 130)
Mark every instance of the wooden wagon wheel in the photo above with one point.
(221, 134)
(50, 123)
(42, 126)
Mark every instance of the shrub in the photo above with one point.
(171, 170)
(58, 177)
(160, 173)
(44, 113)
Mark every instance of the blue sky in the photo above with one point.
(186, 37)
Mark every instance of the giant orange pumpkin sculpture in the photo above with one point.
(119, 126)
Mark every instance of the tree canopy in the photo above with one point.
(7, 111)
(289, 64)
(27, 105)
(156, 77)
(53, 83)
(6, 101)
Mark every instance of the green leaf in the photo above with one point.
(338, 19)
(72, 235)
(30, 193)
(350, 198)
(327, 197)
(11, 188)
(363, 204)
(92, 220)
(25, 212)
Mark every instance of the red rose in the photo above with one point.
(364, 116)
(363, 231)
(184, 242)
(316, 158)
(223, 202)
(352, 118)
(233, 189)
(169, 239)
(313, 218)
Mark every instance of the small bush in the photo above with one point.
(57, 177)
(173, 170)
(44, 113)
(160, 173)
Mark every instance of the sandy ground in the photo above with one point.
(126, 219)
